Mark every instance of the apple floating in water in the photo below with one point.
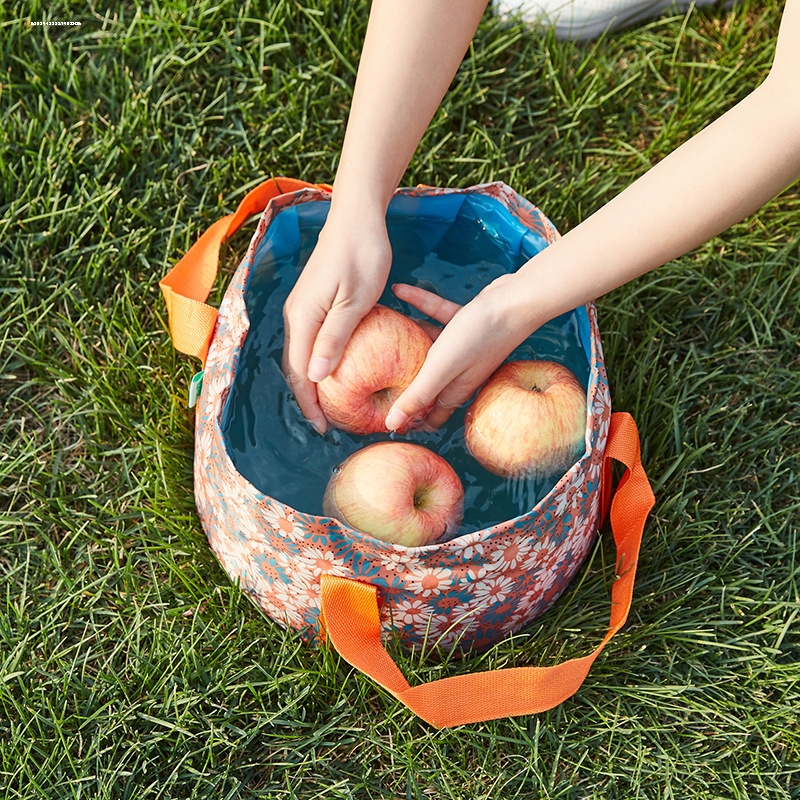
(381, 359)
(396, 491)
(528, 420)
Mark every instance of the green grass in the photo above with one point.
(130, 667)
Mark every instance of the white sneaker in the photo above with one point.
(585, 19)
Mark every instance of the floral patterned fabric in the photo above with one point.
(468, 592)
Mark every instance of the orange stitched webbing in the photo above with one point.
(189, 282)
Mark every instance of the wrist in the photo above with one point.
(360, 213)
(527, 309)
(545, 288)
(510, 307)
(366, 177)
(360, 199)
(354, 226)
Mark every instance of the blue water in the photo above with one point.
(453, 245)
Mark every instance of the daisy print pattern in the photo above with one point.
(466, 592)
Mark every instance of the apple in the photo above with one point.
(396, 491)
(381, 359)
(528, 420)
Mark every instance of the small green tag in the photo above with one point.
(195, 387)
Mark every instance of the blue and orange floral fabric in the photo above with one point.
(469, 591)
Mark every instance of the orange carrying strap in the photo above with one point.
(351, 618)
(187, 285)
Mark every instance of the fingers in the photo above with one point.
(432, 330)
(313, 347)
(305, 393)
(441, 412)
(341, 281)
(408, 406)
(421, 397)
(472, 344)
(429, 303)
(436, 392)
(297, 349)
(332, 337)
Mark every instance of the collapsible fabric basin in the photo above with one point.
(262, 514)
(260, 471)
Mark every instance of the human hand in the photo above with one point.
(476, 339)
(342, 280)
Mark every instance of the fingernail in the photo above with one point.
(318, 369)
(395, 419)
(319, 425)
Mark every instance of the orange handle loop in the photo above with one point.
(351, 618)
(187, 285)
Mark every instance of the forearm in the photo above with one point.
(412, 50)
(716, 179)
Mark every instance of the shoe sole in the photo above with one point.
(590, 27)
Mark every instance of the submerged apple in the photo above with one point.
(528, 420)
(381, 359)
(396, 491)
